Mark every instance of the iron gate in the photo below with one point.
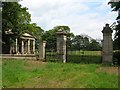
(84, 56)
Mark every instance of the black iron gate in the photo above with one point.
(75, 56)
(81, 55)
(84, 56)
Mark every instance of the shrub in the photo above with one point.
(116, 57)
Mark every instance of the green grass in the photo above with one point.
(35, 74)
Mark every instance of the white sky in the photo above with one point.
(82, 16)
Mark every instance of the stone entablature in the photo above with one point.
(25, 45)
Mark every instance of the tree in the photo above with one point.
(34, 30)
(77, 42)
(17, 18)
(116, 7)
(50, 37)
(94, 45)
(80, 42)
(14, 16)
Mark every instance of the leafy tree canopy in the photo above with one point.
(116, 7)
(17, 18)
(14, 16)
(80, 42)
(50, 36)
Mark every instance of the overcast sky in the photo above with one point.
(82, 16)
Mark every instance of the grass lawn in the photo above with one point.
(36, 74)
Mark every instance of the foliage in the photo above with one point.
(116, 41)
(17, 18)
(116, 57)
(33, 29)
(51, 38)
(80, 42)
(36, 74)
(94, 45)
(116, 7)
(14, 16)
(77, 42)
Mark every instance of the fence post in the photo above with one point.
(61, 45)
(107, 45)
(42, 50)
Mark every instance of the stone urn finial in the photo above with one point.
(61, 29)
(107, 29)
(107, 25)
(61, 32)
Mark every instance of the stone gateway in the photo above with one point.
(107, 45)
(61, 45)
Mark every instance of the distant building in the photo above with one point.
(12, 44)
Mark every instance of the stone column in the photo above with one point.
(107, 45)
(16, 45)
(33, 46)
(42, 50)
(22, 47)
(61, 45)
(28, 46)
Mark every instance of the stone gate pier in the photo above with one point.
(42, 46)
(61, 45)
(107, 45)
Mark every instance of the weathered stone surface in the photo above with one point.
(22, 45)
(107, 45)
(42, 50)
(20, 56)
(61, 45)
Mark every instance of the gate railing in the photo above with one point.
(52, 56)
(84, 56)
(76, 56)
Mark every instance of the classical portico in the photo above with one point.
(25, 44)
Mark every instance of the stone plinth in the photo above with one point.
(42, 50)
(61, 45)
(107, 45)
